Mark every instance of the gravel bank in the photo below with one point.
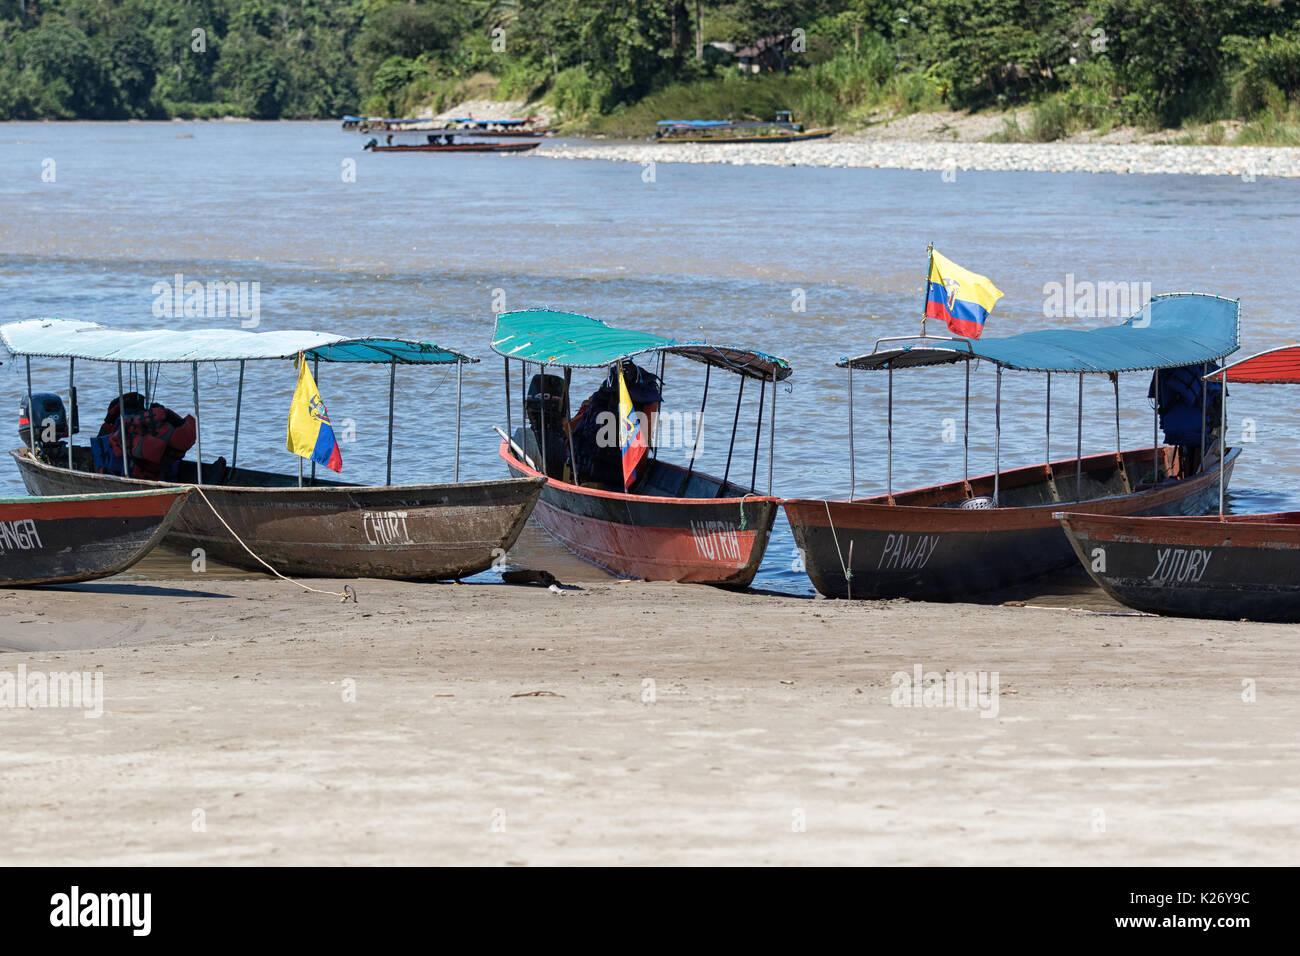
(1247, 162)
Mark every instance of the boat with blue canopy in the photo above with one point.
(296, 525)
(998, 529)
(658, 521)
(1233, 567)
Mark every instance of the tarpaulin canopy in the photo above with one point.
(66, 338)
(1171, 331)
(579, 341)
(1276, 366)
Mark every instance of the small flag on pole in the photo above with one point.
(631, 436)
(963, 299)
(310, 435)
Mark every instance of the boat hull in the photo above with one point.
(405, 532)
(79, 538)
(1243, 566)
(719, 541)
(935, 553)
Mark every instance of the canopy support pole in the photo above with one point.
(509, 417)
(315, 373)
(1119, 445)
(699, 427)
(732, 447)
(541, 405)
(198, 422)
(1205, 368)
(31, 412)
(965, 434)
(758, 434)
(239, 401)
(853, 478)
(1047, 428)
(771, 436)
(121, 422)
(889, 437)
(997, 439)
(72, 404)
(392, 388)
(568, 427)
(1223, 435)
(1078, 448)
(1155, 434)
(146, 384)
(455, 474)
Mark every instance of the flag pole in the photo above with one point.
(929, 271)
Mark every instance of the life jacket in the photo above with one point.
(156, 439)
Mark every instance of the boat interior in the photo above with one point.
(215, 472)
(655, 478)
(1096, 476)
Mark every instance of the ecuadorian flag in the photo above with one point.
(310, 434)
(631, 436)
(960, 297)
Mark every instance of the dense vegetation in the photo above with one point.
(618, 65)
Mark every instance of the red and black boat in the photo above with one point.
(673, 523)
(449, 143)
(1221, 566)
(62, 540)
(980, 534)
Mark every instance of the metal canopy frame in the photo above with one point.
(369, 350)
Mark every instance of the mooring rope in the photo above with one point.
(343, 595)
(848, 573)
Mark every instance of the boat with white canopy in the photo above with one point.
(299, 525)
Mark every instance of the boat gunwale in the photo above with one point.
(512, 462)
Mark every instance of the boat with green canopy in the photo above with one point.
(656, 520)
(982, 533)
(298, 525)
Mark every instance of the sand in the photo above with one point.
(769, 737)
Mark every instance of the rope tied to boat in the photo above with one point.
(848, 572)
(348, 592)
(742, 508)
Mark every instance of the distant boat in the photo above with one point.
(65, 539)
(464, 125)
(781, 130)
(448, 143)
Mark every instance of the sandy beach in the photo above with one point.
(248, 722)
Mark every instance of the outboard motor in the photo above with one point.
(45, 430)
(548, 396)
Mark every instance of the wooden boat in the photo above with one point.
(675, 523)
(1221, 566)
(781, 130)
(81, 537)
(449, 144)
(299, 526)
(979, 534)
(465, 126)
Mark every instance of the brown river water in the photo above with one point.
(808, 263)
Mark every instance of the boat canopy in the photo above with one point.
(66, 338)
(579, 341)
(1279, 366)
(1171, 331)
(697, 124)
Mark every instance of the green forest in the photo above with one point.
(618, 65)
